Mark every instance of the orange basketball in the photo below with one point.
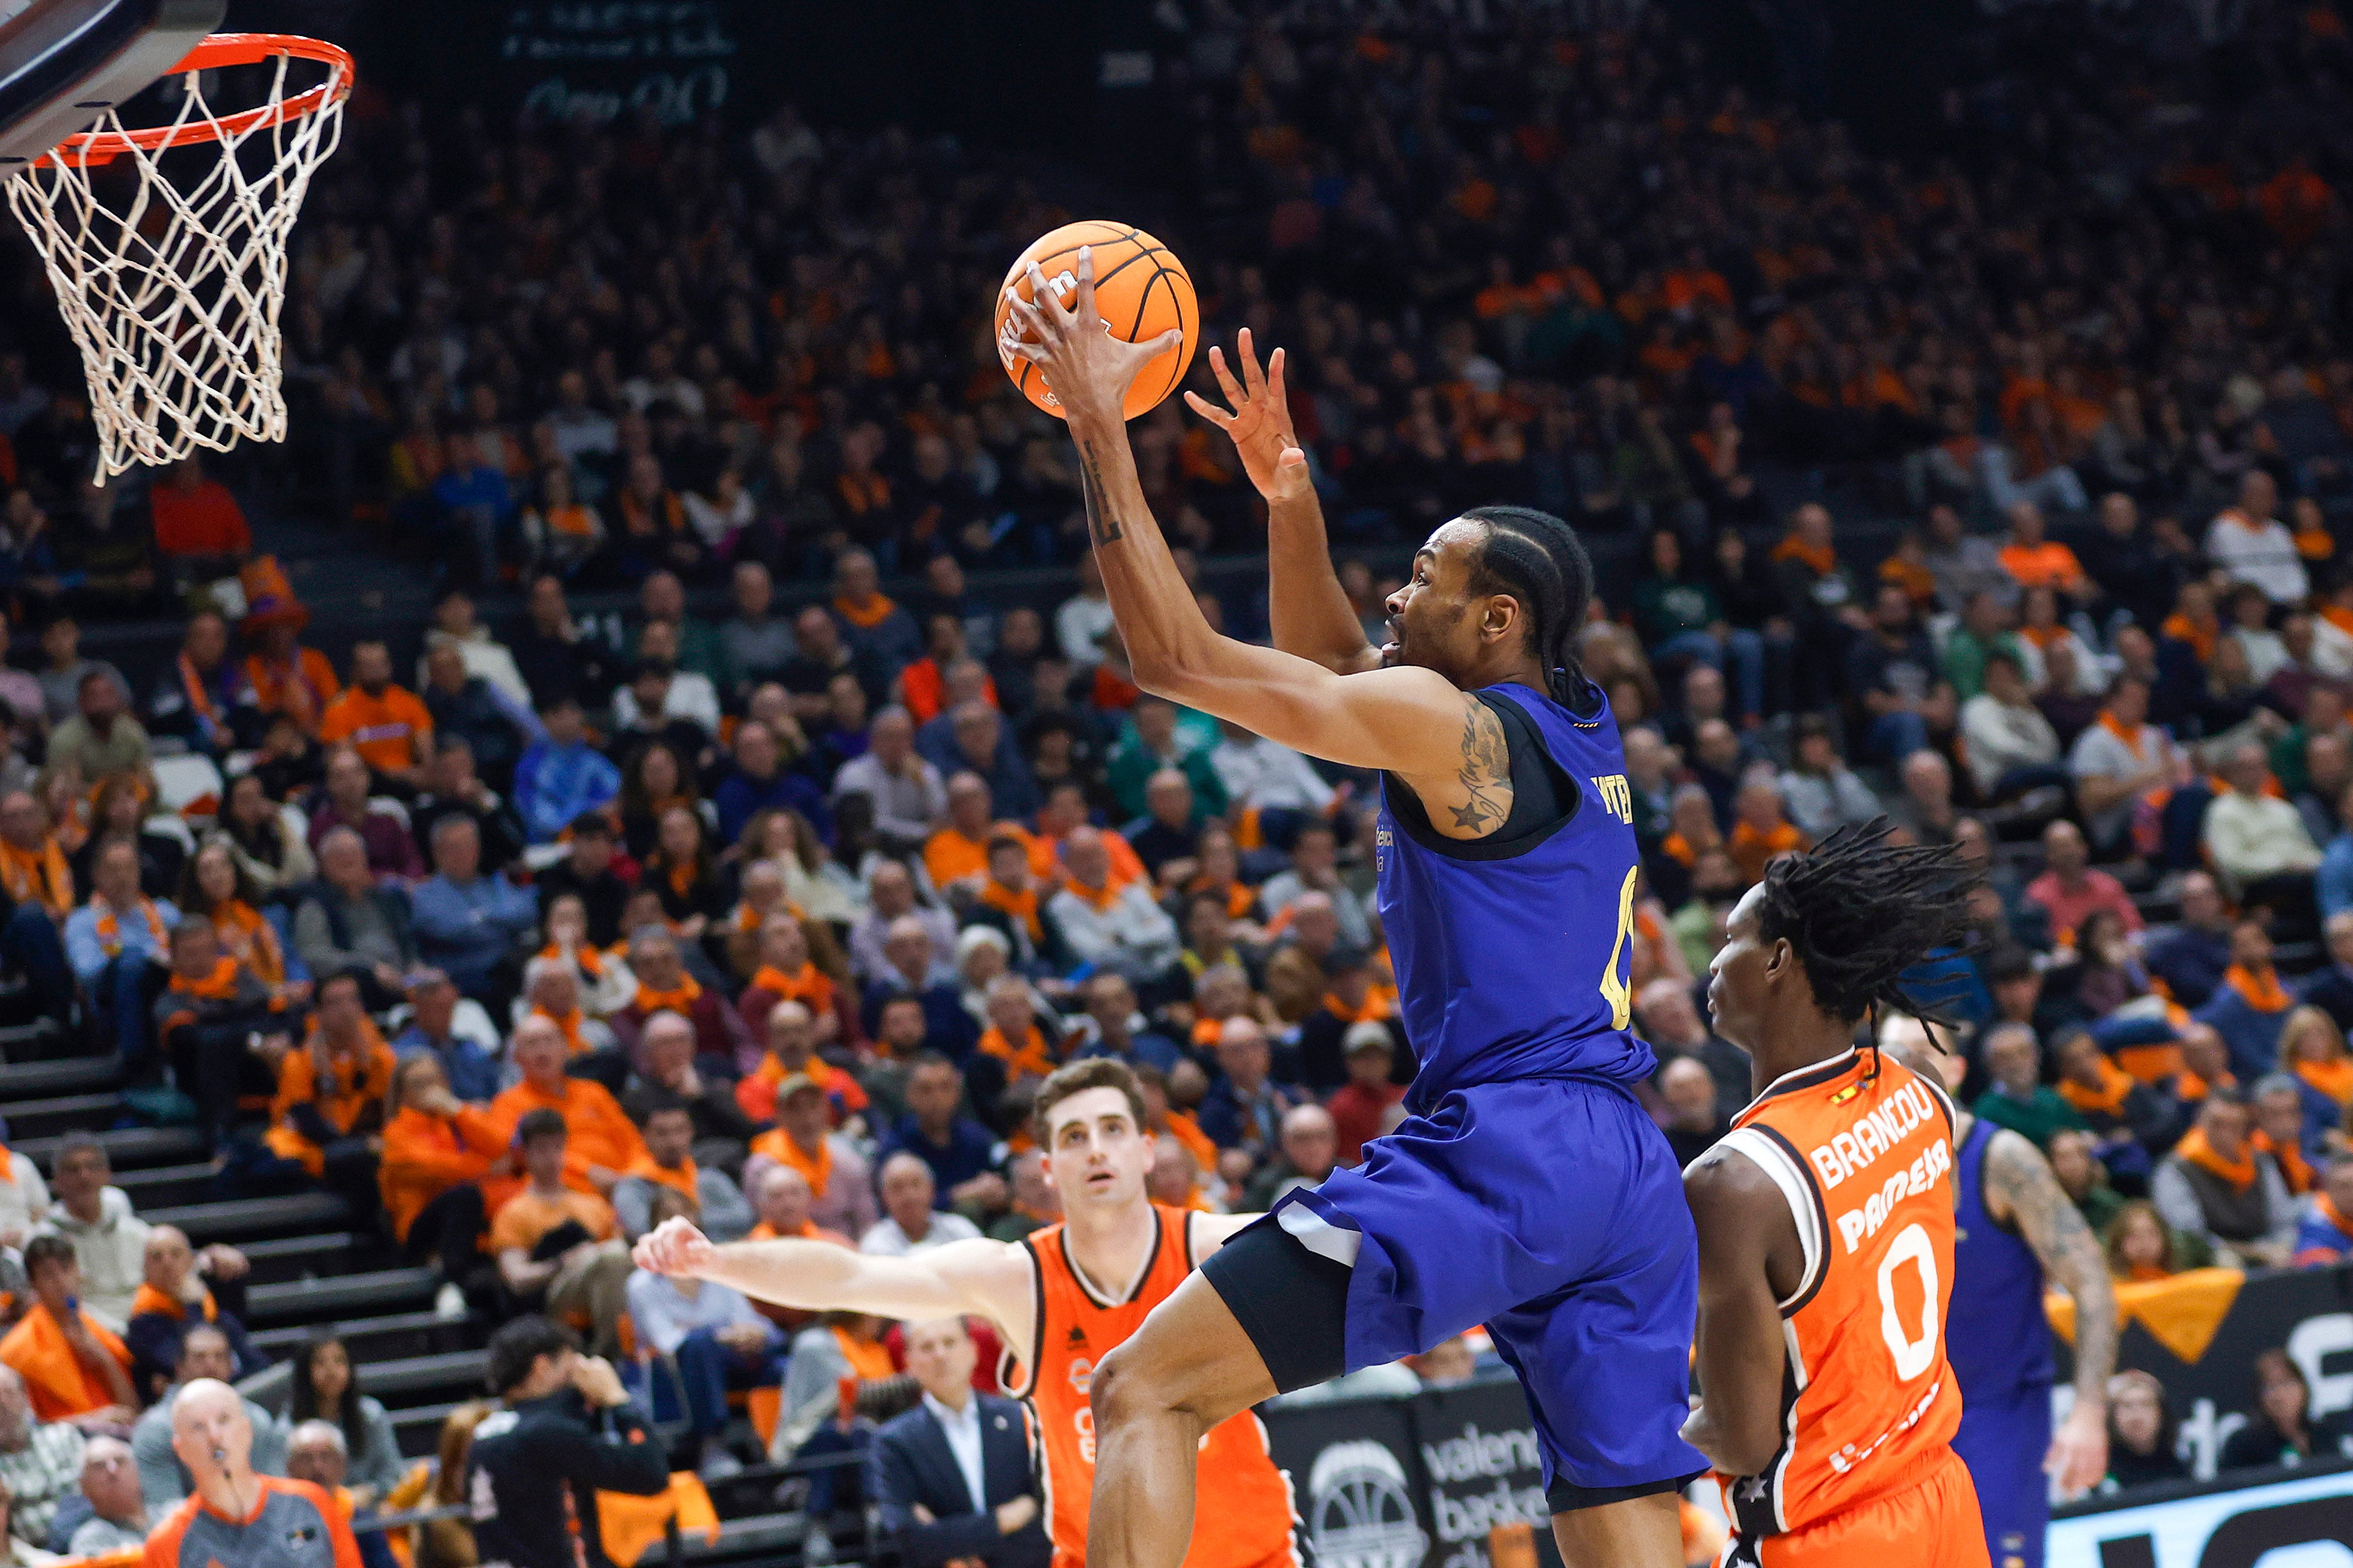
(1141, 290)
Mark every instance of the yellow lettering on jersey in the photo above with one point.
(1616, 797)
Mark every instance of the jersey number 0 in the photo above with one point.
(1913, 1355)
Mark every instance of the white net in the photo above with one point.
(171, 280)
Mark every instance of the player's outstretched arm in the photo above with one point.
(1408, 720)
(1743, 1222)
(979, 1276)
(2020, 1188)
(1307, 611)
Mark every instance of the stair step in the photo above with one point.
(127, 1147)
(237, 1219)
(299, 1257)
(418, 1429)
(371, 1340)
(408, 1380)
(320, 1301)
(161, 1186)
(74, 1075)
(64, 1114)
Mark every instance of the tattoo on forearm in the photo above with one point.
(2069, 1253)
(1486, 771)
(1101, 527)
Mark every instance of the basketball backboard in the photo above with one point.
(64, 63)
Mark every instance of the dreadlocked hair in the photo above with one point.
(1536, 559)
(1860, 910)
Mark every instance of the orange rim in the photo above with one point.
(91, 148)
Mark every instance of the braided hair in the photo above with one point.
(1860, 910)
(1535, 558)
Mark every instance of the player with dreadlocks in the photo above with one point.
(1527, 1190)
(1826, 1226)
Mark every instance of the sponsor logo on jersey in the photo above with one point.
(1859, 1223)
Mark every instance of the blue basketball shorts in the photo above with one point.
(2003, 1438)
(1552, 1211)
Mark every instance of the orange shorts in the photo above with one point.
(1933, 1523)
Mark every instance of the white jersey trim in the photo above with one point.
(1797, 1189)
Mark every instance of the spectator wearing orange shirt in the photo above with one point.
(958, 852)
(198, 524)
(329, 1112)
(1759, 831)
(437, 1149)
(604, 1141)
(2037, 562)
(385, 723)
(74, 1367)
(558, 1246)
(285, 677)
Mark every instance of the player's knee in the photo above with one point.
(1126, 1387)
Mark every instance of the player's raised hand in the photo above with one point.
(1260, 422)
(673, 1246)
(1087, 367)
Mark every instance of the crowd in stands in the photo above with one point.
(775, 917)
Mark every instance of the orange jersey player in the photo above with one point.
(1061, 1298)
(1826, 1227)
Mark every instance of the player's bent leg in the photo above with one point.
(1190, 1366)
(1639, 1533)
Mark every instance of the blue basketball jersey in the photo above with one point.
(2002, 1343)
(1513, 955)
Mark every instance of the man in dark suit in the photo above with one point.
(955, 1478)
(2331, 989)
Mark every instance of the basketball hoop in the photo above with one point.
(172, 289)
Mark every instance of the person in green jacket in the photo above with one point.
(1677, 615)
(1984, 630)
(2018, 1098)
(1152, 743)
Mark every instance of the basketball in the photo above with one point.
(1141, 290)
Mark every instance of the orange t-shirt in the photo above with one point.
(390, 732)
(599, 1132)
(1861, 1148)
(60, 1386)
(425, 1156)
(1750, 849)
(948, 855)
(1252, 1520)
(2049, 564)
(526, 1217)
(354, 1083)
(303, 691)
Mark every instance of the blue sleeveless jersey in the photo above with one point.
(1516, 966)
(2002, 1343)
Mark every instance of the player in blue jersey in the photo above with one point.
(1528, 1189)
(2017, 1229)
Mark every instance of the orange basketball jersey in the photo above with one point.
(1862, 1147)
(1242, 1515)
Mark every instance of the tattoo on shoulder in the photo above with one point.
(1486, 770)
(2039, 1206)
(1101, 527)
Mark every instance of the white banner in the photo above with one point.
(2301, 1523)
